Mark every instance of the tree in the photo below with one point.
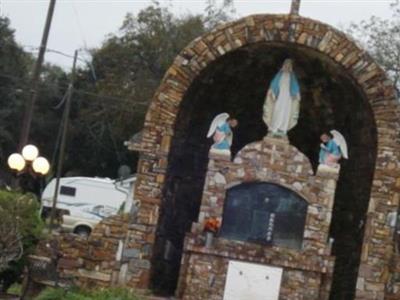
(112, 92)
(215, 15)
(13, 71)
(128, 69)
(15, 84)
(382, 38)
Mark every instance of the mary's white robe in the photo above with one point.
(282, 104)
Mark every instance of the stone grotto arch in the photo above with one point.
(229, 69)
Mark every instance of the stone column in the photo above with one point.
(295, 8)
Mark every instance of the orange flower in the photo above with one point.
(212, 225)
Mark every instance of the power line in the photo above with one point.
(56, 52)
(34, 49)
(62, 101)
(23, 82)
(92, 69)
(79, 23)
(111, 98)
(81, 31)
(79, 91)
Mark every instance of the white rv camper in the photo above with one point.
(85, 201)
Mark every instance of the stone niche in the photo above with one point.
(307, 269)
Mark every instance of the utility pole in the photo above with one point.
(70, 92)
(27, 119)
(295, 7)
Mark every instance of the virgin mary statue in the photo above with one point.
(282, 103)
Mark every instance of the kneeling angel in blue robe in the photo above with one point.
(221, 132)
(333, 148)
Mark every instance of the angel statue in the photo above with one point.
(221, 132)
(282, 103)
(333, 148)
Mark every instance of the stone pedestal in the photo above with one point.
(306, 272)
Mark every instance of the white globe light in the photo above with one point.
(30, 152)
(16, 162)
(41, 165)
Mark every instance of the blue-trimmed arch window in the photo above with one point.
(265, 213)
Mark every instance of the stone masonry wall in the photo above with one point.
(207, 279)
(339, 50)
(393, 286)
(113, 254)
(272, 160)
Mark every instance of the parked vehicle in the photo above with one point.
(82, 202)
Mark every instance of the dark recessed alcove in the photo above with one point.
(237, 83)
(264, 213)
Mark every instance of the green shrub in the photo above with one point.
(20, 229)
(57, 294)
(15, 289)
(99, 294)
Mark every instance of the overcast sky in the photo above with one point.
(85, 23)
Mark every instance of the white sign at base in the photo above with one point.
(247, 281)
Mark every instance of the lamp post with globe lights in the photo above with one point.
(29, 161)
